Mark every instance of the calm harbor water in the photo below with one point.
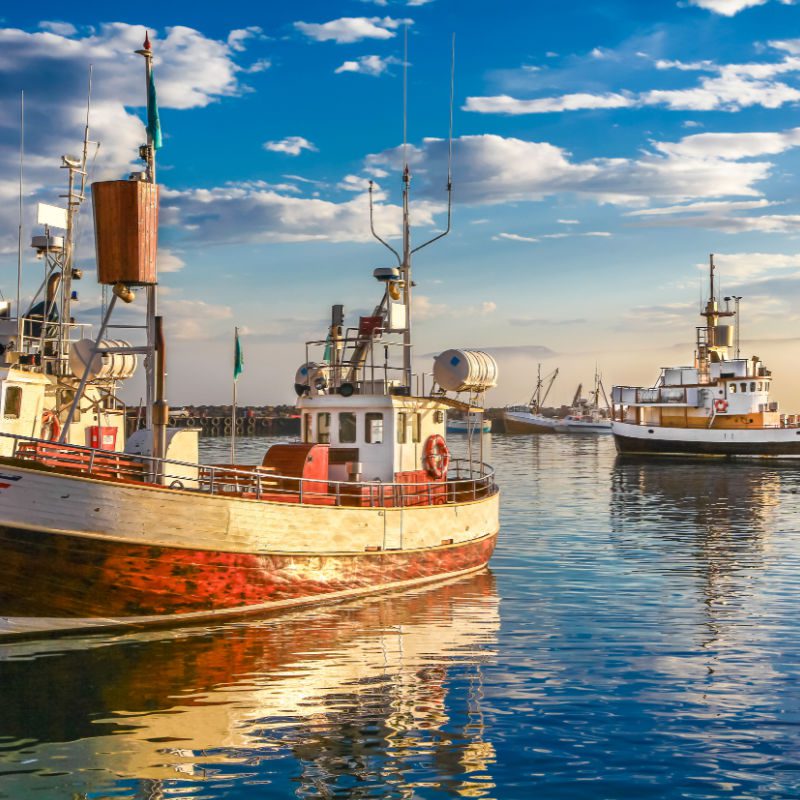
(637, 635)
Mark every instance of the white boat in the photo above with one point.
(528, 418)
(469, 424)
(719, 406)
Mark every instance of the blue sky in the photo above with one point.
(602, 151)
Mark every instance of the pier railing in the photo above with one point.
(466, 480)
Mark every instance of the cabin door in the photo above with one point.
(392, 528)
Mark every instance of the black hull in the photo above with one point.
(628, 445)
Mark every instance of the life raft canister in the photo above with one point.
(437, 457)
(721, 406)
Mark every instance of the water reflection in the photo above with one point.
(713, 520)
(373, 698)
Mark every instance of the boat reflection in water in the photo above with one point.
(708, 520)
(380, 692)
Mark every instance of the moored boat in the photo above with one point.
(720, 406)
(529, 418)
(369, 500)
(471, 423)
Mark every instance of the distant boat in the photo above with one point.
(720, 406)
(472, 423)
(586, 415)
(528, 418)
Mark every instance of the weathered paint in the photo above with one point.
(74, 546)
(48, 574)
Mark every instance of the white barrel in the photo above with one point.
(104, 366)
(465, 371)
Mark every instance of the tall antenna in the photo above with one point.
(449, 153)
(21, 162)
(405, 96)
(86, 134)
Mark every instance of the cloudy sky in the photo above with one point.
(602, 150)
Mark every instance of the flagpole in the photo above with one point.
(233, 411)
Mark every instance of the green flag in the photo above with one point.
(153, 122)
(238, 357)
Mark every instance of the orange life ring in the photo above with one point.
(437, 457)
(50, 418)
(721, 406)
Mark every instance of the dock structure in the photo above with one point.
(215, 421)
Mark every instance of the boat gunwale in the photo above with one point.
(481, 487)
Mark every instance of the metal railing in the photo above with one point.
(466, 481)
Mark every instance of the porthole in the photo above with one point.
(649, 430)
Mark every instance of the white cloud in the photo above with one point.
(367, 65)
(505, 104)
(192, 320)
(715, 207)
(488, 307)
(424, 308)
(752, 267)
(238, 37)
(191, 71)
(347, 30)
(169, 260)
(291, 146)
(59, 28)
(249, 213)
(353, 183)
(727, 87)
(732, 146)
(515, 237)
(729, 8)
(494, 169)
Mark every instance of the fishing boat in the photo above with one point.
(719, 406)
(529, 418)
(370, 500)
(469, 424)
(587, 415)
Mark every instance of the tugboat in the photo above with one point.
(719, 406)
(370, 500)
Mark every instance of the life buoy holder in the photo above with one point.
(720, 406)
(50, 419)
(437, 457)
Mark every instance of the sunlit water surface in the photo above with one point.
(638, 635)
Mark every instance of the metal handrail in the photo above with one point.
(216, 479)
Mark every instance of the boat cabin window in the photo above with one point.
(347, 427)
(732, 388)
(374, 422)
(323, 427)
(307, 428)
(402, 427)
(760, 386)
(12, 404)
(753, 386)
(416, 428)
(744, 387)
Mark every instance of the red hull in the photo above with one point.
(57, 575)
